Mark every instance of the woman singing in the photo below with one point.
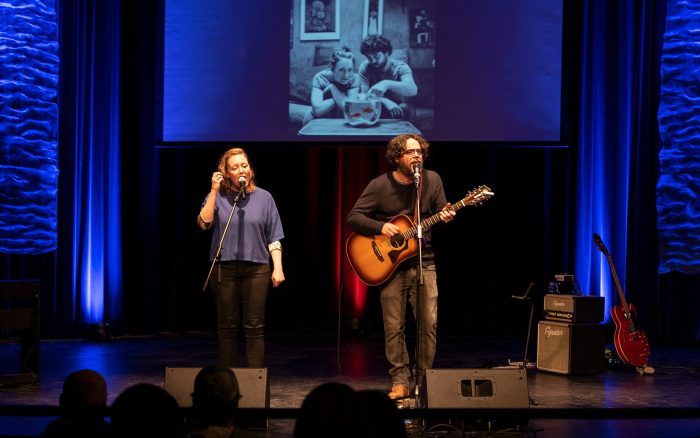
(241, 279)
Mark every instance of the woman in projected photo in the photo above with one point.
(252, 240)
(333, 85)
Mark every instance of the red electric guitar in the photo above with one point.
(631, 342)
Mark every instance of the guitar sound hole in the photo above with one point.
(397, 241)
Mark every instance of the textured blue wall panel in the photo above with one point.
(28, 126)
(678, 188)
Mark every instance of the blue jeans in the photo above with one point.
(244, 289)
(393, 298)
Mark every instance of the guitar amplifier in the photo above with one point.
(570, 348)
(573, 308)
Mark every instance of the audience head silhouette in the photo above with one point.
(146, 410)
(84, 389)
(215, 397)
(331, 409)
(383, 415)
(83, 398)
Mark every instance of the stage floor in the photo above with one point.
(296, 364)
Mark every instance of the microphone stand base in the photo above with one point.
(521, 364)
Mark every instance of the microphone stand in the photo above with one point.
(419, 283)
(217, 261)
(524, 364)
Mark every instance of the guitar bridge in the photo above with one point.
(376, 250)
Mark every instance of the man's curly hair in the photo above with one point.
(397, 145)
(374, 44)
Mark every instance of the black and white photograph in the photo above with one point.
(371, 82)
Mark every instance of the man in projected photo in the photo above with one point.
(333, 85)
(387, 79)
(386, 197)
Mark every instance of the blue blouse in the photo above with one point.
(255, 224)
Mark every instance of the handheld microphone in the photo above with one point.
(242, 184)
(416, 174)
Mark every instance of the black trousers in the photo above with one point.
(241, 302)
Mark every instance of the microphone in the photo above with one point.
(242, 184)
(524, 297)
(416, 174)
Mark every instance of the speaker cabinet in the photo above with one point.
(477, 388)
(489, 388)
(19, 317)
(570, 348)
(252, 383)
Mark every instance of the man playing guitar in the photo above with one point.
(386, 197)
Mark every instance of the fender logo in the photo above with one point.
(549, 331)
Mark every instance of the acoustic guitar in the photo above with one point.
(631, 342)
(375, 258)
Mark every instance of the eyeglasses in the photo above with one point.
(413, 151)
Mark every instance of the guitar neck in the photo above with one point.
(426, 224)
(618, 286)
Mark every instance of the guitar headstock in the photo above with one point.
(478, 195)
(599, 243)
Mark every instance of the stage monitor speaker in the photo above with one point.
(252, 383)
(496, 388)
(570, 348)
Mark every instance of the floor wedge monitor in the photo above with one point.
(496, 388)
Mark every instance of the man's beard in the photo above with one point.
(407, 171)
(377, 67)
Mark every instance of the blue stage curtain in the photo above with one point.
(89, 255)
(617, 150)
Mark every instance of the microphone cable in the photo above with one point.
(341, 287)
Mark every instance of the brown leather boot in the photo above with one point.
(398, 392)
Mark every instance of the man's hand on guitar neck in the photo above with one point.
(447, 213)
